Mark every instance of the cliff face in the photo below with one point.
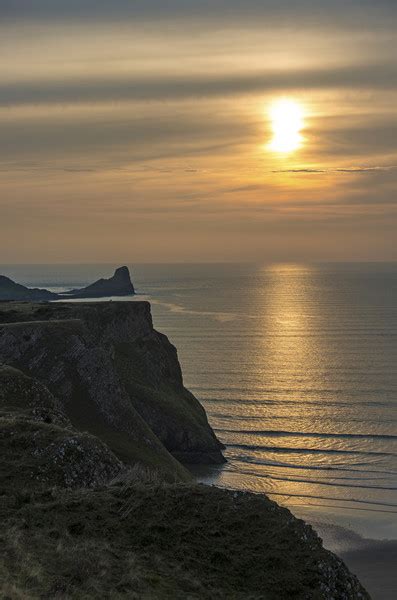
(114, 375)
(27, 399)
(38, 445)
(77, 522)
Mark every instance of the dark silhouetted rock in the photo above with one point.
(115, 377)
(118, 285)
(9, 290)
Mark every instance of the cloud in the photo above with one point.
(342, 11)
(338, 170)
(141, 124)
(117, 139)
(160, 87)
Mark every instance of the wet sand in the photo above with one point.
(376, 568)
(373, 561)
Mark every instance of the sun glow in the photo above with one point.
(287, 117)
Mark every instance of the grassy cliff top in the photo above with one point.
(161, 541)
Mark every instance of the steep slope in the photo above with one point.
(37, 455)
(38, 445)
(77, 523)
(24, 398)
(164, 542)
(115, 377)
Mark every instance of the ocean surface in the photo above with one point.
(296, 365)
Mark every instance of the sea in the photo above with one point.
(296, 366)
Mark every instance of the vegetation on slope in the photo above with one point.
(115, 376)
(162, 541)
(79, 524)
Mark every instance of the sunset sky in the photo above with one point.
(144, 131)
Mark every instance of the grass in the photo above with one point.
(58, 342)
(141, 537)
(151, 540)
(39, 454)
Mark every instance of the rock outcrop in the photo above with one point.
(38, 445)
(27, 399)
(118, 285)
(36, 455)
(115, 376)
(78, 523)
(9, 290)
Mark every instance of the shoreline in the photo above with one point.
(375, 566)
(371, 560)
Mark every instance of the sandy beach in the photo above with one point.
(373, 561)
(375, 566)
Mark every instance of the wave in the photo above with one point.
(264, 402)
(352, 500)
(287, 450)
(327, 498)
(232, 417)
(313, 481)
(284, 465)
(217, 315)
(312, 434)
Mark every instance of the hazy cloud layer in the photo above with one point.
(140, 131)
(340, 10)
(162, 88)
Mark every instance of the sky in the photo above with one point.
(139, 131)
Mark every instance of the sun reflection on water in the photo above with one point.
(287, 357)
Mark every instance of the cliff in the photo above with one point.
(118, 285)
(95, 516)
(9, 290)
(38, 445)
(115, 377)
(161, 541)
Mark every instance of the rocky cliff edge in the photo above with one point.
(114, 376)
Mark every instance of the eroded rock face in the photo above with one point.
(38, 445)
(104, 364)
(36, 454)
(27, 399)
(114, 376)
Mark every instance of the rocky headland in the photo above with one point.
(119, 284)
(115, 376)
(10, 290)
(96, 430)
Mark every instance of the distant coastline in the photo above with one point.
(118, 285)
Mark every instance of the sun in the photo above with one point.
(287, 117)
